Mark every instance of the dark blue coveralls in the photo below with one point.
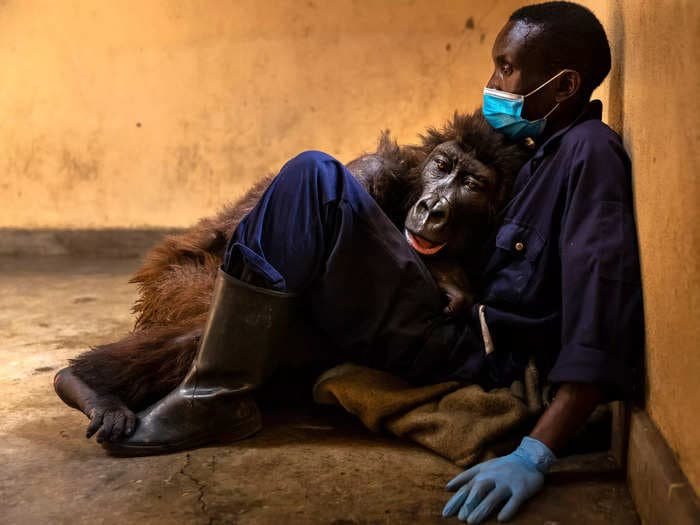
(562, 283)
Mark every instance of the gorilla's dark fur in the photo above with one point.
(176, 280)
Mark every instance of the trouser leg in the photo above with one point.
(318, 233)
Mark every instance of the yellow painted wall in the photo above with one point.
(652, 95)
(153, 113)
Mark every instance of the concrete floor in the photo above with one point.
(308, 465)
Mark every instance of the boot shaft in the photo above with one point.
(246, 330)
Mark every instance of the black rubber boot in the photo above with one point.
(246, 325)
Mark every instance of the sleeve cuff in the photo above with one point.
(584, 364)
(537, 453)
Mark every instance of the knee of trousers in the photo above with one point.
(309, 166)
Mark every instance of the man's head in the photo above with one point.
(542, 40)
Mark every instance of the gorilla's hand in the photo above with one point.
(106, 412)
(451, 278)
(110, 417)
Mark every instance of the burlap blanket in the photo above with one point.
(462, 423)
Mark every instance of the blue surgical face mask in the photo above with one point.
(503, 110)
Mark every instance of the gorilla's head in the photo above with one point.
(463, 181)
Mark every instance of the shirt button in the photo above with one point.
(519, 247)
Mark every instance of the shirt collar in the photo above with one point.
(593, 110)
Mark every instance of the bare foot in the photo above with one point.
(109, 417)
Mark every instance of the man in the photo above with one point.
(562, 283)
(574, 297)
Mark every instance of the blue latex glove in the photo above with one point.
(512, 479)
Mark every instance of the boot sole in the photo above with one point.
(239, 432)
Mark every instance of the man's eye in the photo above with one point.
(442, 164)
(506, 69)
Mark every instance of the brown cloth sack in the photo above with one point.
(462, 423)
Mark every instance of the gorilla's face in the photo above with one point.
(458, 194)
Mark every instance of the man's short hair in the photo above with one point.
(571, 38)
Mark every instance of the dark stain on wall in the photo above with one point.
(78, 168)
(188, 159)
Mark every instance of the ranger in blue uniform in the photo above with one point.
(562, 283)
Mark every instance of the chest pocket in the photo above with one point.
(514, 262)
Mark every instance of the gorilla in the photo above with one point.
(445, 193)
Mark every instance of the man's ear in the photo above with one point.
(568, 84)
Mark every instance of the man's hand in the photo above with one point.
(512, 479)
(518, 476)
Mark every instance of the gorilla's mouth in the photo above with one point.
(421, 245)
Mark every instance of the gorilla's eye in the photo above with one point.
(472, 184)
(442, 164)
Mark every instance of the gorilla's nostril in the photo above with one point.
(439, 211)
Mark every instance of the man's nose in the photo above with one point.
(493, 83)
